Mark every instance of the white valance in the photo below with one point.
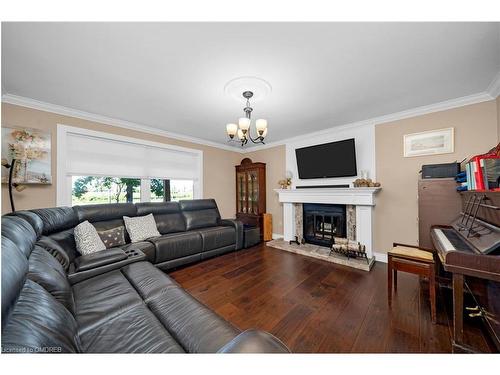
(98, 156)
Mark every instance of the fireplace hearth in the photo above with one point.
(322, 223)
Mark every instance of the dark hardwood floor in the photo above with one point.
(316, 306)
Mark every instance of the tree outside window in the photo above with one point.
(94, 190)
(98, 190)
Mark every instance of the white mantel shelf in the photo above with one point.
(359, 196)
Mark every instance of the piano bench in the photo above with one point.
(411, 259)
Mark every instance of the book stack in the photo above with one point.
(482, 172)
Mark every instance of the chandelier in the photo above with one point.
(242, 130)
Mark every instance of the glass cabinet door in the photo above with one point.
(241, 192)
(253, 191)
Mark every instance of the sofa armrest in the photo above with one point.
(238, 226)
(91, 265)
(99, 259)
(254, 341)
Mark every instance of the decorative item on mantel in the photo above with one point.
(362, 182)
(284, 184)
(287, 182)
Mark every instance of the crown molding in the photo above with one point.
(418, 111)
(66, 111)
(494, 87)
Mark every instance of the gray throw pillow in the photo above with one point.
(87, 240)
(141, 228)
(113, 237)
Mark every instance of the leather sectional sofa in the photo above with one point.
(116, 300)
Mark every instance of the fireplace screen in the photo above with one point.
(324, 222)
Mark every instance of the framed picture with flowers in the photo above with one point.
(32, 150)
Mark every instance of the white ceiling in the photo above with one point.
(171, 76)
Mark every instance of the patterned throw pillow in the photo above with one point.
(113, 237)
(141, 228)
(87, 240)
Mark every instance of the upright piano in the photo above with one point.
(469, 248)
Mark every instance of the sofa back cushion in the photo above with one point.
(56, 250)
(107, 217)
(20, 232)
(167, 215)
(65, 240)
(39, 323)
(57, 219)
(32, 218)
(45, 270)
(104, 212)
(200, 213)
(14, 270)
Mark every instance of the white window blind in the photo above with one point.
(98, 156)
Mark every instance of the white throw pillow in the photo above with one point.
(141, 228)
(87, 239)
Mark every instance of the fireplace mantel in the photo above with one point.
(362, 196)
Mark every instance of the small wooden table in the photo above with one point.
(411, 259)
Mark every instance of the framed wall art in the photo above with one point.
(431, 142)
(32, 150)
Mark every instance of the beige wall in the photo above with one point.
(476, 131)
(275, 170)
(218, 176)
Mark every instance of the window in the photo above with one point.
(135, 170)
(181, 189)
(171, 190)
(96, 190)
(99, 190)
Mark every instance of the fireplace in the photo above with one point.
(323, 222)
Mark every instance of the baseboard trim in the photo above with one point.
(380, 257)
(277, 236)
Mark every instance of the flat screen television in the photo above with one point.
(334, 159)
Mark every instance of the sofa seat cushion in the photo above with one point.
(146, 247)
(176, 245)
(134, 331)
(193, 325)
(217, 237)
(102, 297)
(148, 280)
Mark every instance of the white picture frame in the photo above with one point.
(432, 142)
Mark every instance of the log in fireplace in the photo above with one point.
(323, 222)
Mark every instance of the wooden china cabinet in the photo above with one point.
(251, 193)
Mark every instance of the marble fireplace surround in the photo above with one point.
(359, 200)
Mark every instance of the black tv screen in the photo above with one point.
(335, 159)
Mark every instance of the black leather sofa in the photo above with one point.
(123, 305)
(191, 230)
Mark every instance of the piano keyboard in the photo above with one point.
(450, 240)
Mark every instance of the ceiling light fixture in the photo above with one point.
(242, 130)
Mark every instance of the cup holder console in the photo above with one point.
(132, 253)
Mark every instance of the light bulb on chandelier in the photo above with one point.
(243, 129)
